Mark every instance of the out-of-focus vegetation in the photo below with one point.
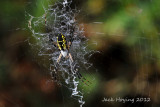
(126, 33)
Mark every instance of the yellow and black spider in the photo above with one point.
(63, 46)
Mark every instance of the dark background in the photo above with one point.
(128, 64)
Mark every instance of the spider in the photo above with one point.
(63, 46)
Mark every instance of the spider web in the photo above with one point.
(61, 18)
(145, 79)
(128, 63)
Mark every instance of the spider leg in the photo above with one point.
(70, 56)
(69, 45)
(59, 58)
(55, 44)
